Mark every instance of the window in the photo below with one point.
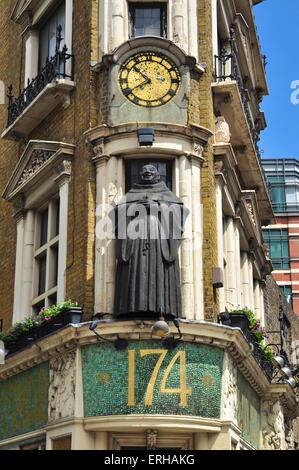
(277, 192)
(46, 256)
(148, 19)
(133, 167)
(39, 192)
(48, 35)
(277, 240)
(287, 290)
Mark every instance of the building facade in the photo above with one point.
(282, 239)
(89, 81)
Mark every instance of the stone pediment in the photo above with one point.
(38, 162)
(22, 6)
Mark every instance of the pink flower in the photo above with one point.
(47, 317)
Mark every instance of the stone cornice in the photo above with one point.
(230, 339)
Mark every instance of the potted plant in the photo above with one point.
(48, 320)
(236, 318)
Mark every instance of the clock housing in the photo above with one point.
(149, 79)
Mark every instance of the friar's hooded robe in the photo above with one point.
(148, 224)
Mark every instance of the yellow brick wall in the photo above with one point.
(67, 125)
(10, 65)
(210, 257)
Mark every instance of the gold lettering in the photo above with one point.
(183, 391)
(131, 378)
(103, 377)
(4, 401)
(150, 388)
(207, 380)
(16, 404)
(33, 411)
(42, 395)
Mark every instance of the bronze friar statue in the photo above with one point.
(148, 224)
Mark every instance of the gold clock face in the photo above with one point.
(149, 79)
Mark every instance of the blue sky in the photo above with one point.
(278, 27)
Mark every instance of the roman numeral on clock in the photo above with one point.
(127, 91)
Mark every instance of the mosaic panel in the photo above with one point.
(249, 414)
(24, 402)
(146, 378)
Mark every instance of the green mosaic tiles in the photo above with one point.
(24, 402)
(145, 378)
(249, 415)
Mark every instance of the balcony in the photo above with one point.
(232, 100)
(52, 86)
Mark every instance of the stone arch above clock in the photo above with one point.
(162, 102)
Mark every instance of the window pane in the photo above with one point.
(146, 20)
(44, 228)
(57, 217)
(42, 275)
(48, 34)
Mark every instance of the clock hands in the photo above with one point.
(142, 73)
(128, 90)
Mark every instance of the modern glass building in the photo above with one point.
(282, 175)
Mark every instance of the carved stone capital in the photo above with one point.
(63, 171)
(18, 205)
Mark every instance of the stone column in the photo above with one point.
(237, 263)
(245, 280)
(19, 215)
(63, 172)
(184, 191)
(230, 268)
(197, 243)
(117, 26)
(201, 441)
(28, 260)
(109, 184)
(219, 215)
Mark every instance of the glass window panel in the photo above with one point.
(146, 20)
(57, 217)
(48, 34)
(42, 275)
(44, 228)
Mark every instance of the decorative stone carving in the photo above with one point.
(62, 383)
(273, 429)
(151, 439)
(230, 390)
(19, 205)
(63, 169)
(38, 158)
(222, 132)
(249, 206)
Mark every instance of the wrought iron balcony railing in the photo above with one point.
(56, 67)
(225, 67)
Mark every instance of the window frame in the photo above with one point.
(163, 6)
(279, 235)
(43, 173)
(46, 250)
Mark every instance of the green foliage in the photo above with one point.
(258, 330)
(35, 321)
